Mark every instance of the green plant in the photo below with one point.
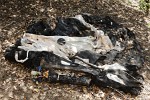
(144, 5)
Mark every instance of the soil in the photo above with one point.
(15, 16)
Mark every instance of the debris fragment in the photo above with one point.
(35, 73)
(82, 50)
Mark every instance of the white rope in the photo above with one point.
(23, 60)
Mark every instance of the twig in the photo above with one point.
(8, 25)
(90, 64)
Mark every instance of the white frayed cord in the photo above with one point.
(21, 61)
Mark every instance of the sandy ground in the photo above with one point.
(15, 15)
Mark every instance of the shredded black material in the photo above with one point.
(128, 80)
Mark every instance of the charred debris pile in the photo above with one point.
(81, 50)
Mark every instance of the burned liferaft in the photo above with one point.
(82, 50)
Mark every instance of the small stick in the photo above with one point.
(90, 64)
(8, 24)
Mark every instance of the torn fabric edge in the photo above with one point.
(98, 54)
